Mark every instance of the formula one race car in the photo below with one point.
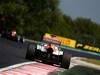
(48, 53)
(12, 35)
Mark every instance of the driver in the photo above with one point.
(50, 47)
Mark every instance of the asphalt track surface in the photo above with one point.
(12, 52)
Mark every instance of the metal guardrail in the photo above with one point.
(81, 50)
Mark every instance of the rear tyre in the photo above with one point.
(66, 60)
(30, 54)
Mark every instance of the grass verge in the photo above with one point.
(93, 61)
(80, 70)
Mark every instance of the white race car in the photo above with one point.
(48, 53)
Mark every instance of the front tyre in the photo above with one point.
(30, 54)
(66, 60)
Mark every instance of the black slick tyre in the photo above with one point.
(66, 60)
(30, 54)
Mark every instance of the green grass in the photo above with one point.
(93, 61)
(79, 70)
